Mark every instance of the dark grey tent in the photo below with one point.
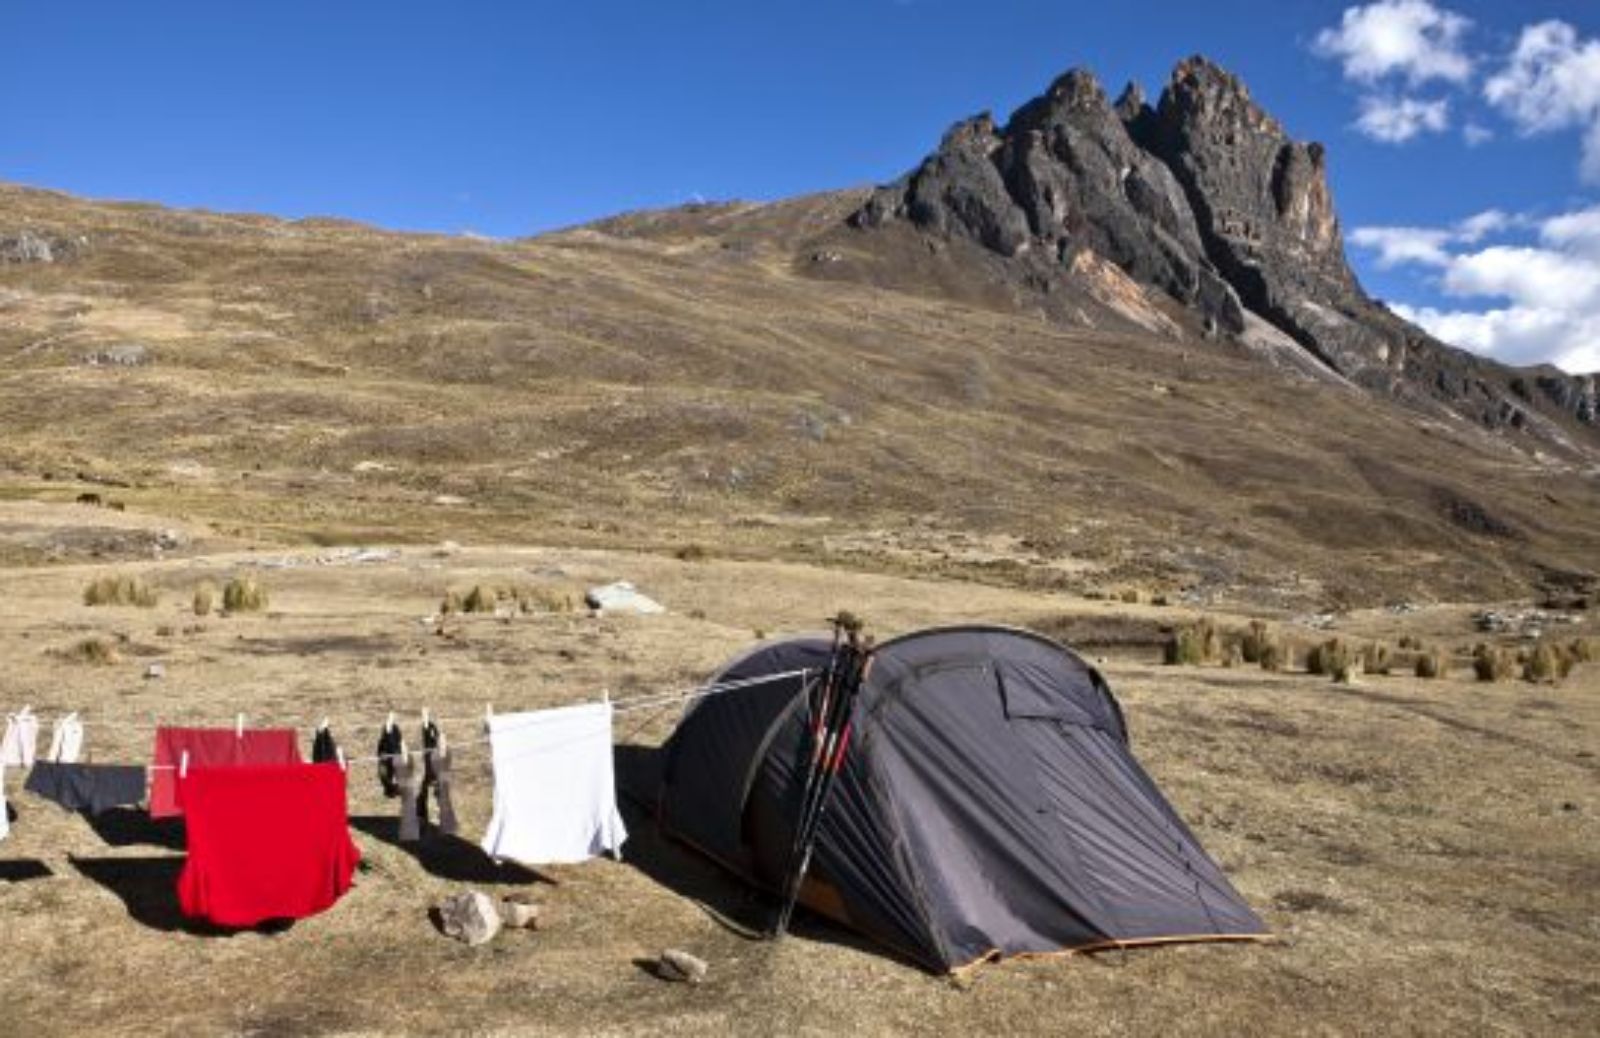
(989, 806)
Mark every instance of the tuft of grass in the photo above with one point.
(95, 652)
(119, 590)
(1492, 663)
(1347, 671)
(1375, 658)
(1128, 596)
(1276, 656)
(205, 599)
(244, 594)
(692, 553)
(480, 599)
(1410, 641)
(1432, 663)
(1194, 645)
(1545, 663)
(1329, 658)
(1255, 641)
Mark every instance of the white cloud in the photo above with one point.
(1397, 120)
(1409, 38)
(1548, 294)
(1396, 246)
(1475, 134)
(1552, 82)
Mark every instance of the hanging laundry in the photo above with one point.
(430, 744)
(91, 788)
(389, 745)
(5, 809)
(17, 746)
(265, 842)
(554, 786)
(408, 772)
(323, 749)
(66, 741)
(213, 748)
(442, 767)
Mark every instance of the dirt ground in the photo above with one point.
(1427, 852)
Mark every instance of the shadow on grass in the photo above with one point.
(21, 870)
(133, 827)
(448, 857)
(148, 888)
(729, 900)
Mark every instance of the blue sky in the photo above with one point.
(507, 119)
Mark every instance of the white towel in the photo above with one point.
(66, 741)
(554, 786)
(21, 739)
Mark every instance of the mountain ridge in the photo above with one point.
(1205, 197)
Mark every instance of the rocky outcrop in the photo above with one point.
(27, 246)
(1205, 198)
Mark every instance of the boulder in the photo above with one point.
(469, 917)
(519, 912)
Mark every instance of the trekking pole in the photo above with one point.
(831, 761)
(819, 704)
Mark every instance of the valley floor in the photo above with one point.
(1428, 852)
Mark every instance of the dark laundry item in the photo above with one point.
(389, 746)
(213, 748)
(323, 749)
(430, 771)
(91, 788)
(265, 842)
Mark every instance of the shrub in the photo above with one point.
(1492, 663)
(545, 600)
(1432, 663)
(1129, 596)
(1187, 646)
(1329, 658)
(1375, 658)
(103, 591)
(1581, 651)
(205, 599)
(479, 600)
(1544, 663)
(94, 651)
(692, 553)
(244, 595)
(1255, 642)
(1276, 657)
(1408, 641)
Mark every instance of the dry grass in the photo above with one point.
(96, 652)
(205, 599)
(1432, 663)
(1493, 662)
(120, 590)
(244, 594)
(1403, 837)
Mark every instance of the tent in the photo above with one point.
(989, 806)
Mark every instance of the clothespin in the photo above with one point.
(388, 725)
(323, 726)
(238, 726)
(183, 765)
(342, 765)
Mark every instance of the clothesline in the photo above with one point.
(619, 706)
(622, 705)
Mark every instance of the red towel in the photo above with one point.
(213, 748)
(265, 842)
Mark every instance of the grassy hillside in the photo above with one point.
(666, 379)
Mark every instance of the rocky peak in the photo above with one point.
(1205, 198)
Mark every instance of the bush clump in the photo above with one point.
(1255, 642)
(1276, 657)
(693, 553)
(1432, 663)
(482, 598)
(1329, 658)
(96, 652)
(1491, 663)
(244, 594)
(1546, 662)
(1194, 645)
(1375, 658)
(119, 590)
(205, 599)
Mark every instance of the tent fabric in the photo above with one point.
(990, 804)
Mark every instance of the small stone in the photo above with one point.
(519, 912)
(469, 917)
(680, 966)
(155, 671)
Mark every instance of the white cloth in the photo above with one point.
(5, 819)
(66, 741)
(555, 796)
(21, 739)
